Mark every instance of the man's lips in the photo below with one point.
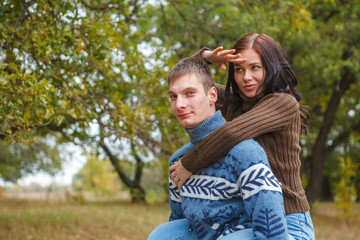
(183, 115)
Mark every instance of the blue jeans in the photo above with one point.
(181, 230)
(174, 230)
(300, 226)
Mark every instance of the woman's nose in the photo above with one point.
(247, 76)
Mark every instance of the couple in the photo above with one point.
(233, 193)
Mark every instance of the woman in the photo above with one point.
(260, 102)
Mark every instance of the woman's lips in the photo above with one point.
(250, 87)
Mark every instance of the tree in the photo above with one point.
(97, 176)
(95, 72)
(74, 67)
(19, 160)
(321, 40)
(335, 107)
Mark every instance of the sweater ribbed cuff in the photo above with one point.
(189, 163)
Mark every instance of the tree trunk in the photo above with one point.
(326, 193)
(137, 193)
(320, 150)
(316, 176)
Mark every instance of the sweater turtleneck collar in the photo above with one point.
(199, 132)
(248, 103)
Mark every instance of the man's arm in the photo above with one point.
(261, 192)
(175, 202)
(272, 113)
(174, 197)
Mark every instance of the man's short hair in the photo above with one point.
(193, 65)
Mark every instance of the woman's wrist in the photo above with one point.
(205, 54)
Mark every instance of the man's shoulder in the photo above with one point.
(179, 153)
(248, 149)
(247, 144)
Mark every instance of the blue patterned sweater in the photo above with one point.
(237, 192)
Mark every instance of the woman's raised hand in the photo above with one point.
(219, 57)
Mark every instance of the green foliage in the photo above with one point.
(345, 192)
(97, 177)
(95, 71)
(19, 160)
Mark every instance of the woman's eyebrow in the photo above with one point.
(253, 63)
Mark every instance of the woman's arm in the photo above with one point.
(219, 57)
(272, 113)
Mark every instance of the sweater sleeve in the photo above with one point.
(174, 201)
(261, 192)
(272, 113)
(199, 54)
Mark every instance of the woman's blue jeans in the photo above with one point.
(300, 227)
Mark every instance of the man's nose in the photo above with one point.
(180, 102)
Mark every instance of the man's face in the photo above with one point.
(189, 102)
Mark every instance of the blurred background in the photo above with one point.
(84, 111)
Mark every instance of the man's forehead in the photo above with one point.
(190, 80)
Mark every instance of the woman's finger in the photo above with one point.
(218, 49)
(226, 52)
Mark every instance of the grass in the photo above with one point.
(40, 220)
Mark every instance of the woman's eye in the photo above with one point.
(238, 69)
(256, 67)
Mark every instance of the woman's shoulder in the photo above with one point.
(283, 99)
(284, 96)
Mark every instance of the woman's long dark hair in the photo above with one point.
(279, 76)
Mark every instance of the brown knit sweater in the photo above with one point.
(274, 122)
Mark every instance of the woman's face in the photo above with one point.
(250, 75)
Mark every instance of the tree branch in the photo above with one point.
(139, 163)
(343, 137)
(115, 162)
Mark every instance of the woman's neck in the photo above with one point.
(249, 102)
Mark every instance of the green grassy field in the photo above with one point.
(39, 220)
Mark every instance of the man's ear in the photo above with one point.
(212, 93)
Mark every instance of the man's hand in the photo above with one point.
(219, 57)
(180, 174)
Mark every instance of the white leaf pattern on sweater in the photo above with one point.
(206, 187)
(257, 178)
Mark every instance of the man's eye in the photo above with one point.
(190, 93)
(172, 97)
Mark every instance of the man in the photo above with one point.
(237, 197)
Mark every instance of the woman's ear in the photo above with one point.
(212, 93)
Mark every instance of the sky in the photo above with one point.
(63, 178)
